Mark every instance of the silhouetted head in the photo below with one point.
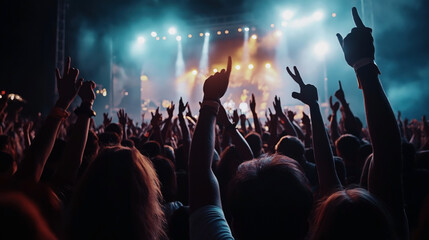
(118, 197)
(150, 149)
(270, 198)
(255, 142)
(292, 147)
(8, 165)
(352, 214)
(347, 146)
(115, 128)
(20, 218)
(167, 177)
(169, 153)
(108, 139)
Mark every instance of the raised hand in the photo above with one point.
(339, 94)
(182, 107)
(334, 106)
(222, 116)
(86, 92)
(291, 115)
(358, 45)
(216, 85)
(106, 119)
(252, 104)
(170, 110)
(278, 106)
(156, 118)
(68, 86)
(235, 116)
(122, 117)
(308, 94)
(305, 119)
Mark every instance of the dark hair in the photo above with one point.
(352, 214)
(291, 146)
(270, 197)
(115, 128)
(150, 149)
(255, 142)
(347, 146)
(108, 139)
(167, 177)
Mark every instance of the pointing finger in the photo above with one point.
(341, 87)
(356, 18)
(340, 40)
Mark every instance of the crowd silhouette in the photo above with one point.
(218, 176)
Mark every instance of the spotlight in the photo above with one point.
(178, 38)
(153, 34)
(163, 38)
(207, 34)
(239, 29)
(189, 35)
(141, 39)
(237, 67)
(246, 29)
(215, 70)
(251, 66)
(334, 14)
(318, 15)
(288, 14)
(144, 78)
(219, 32)
(194, 72)
(272, 25)
(279, 33)
(157, 38)
(172, 31)
(267, 66)
(321, 49)
(201, 34)
(226, 31)
(254, 36)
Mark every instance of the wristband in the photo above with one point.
(362, 63)
(59, 113)
(210, 105)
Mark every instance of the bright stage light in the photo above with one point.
(141, 39)
(207, 34)
(189, 35)
(321, 49)
(237, 67)
(219, 32)
(288, 14)
(246, 29)
(251, 66)
(278, 33)
(334, 14)
(226, 31)
(272, 25)
(239, 29)
(153, 34)
(267, 66)
(201, 34)
(254, 36)
(284, 24)
(215, 70)
(172, 31)
(318, 15)
(143, 78)
(194, 72)
(178, 38)
(157, 38)
(163, 38)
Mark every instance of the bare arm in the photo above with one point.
(290, 130)
(323, 156)
(203, 186)
(256, 122)
(333, 124)
(72, 158)
(385, 173)
(35, 159)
